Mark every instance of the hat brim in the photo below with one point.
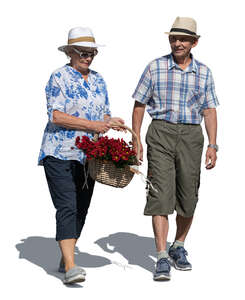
(182, 33)
(80, 44)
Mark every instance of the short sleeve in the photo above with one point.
(55, 97)
(210, 99)
(107, 104)
(143, 91)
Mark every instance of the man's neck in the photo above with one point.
(183, 62)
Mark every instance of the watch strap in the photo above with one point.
(214, 146)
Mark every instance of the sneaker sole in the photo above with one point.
(162, 277)
(75, 279)
(62, 270)
(181, 269)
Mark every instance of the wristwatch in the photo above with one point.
(214, 146)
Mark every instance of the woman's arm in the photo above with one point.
(71, 122)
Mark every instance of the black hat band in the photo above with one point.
(182, 30)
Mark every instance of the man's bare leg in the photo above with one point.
(160, 228)
(183, 227)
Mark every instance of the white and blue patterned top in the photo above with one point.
(68, 92)
(174, 95)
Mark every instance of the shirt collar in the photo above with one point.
(78, 75)
(191, 68)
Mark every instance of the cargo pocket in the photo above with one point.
(197, 185)
(147, 133)
(149, 177)
(147, 188)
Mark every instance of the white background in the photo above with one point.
(133, 32)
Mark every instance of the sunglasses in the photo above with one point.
(182, 39)
(86, 54)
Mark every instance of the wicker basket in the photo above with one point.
(107, 173)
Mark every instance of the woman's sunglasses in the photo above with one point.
(86, 54)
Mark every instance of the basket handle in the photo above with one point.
(96, 136)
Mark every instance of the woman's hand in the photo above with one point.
(113, 121)
(100, 126)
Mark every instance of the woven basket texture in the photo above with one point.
(107, 173)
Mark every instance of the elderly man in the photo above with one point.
(178, 91)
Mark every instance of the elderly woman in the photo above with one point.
(77, 104)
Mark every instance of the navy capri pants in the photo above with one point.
(70, 196)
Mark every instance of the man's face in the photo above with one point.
(181, 45)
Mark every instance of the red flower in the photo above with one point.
(116, 150)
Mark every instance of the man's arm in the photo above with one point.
(137, 118)
(210, 119)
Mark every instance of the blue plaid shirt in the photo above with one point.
(176, 95)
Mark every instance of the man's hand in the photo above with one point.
(210, 119)
(211, 158)
(136, 149)
(137, 118)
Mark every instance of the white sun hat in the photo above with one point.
(80, 36)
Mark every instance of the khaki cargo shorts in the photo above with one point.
(174, 154)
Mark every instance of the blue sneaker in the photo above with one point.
(178, 256)
(163, 268)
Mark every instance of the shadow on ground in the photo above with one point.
(45, 253)
(138, 250)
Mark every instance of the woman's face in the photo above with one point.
(81, 58)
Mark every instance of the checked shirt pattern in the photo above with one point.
(176, 95)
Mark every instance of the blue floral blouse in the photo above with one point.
(68, 92)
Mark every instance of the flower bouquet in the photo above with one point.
(109, 160)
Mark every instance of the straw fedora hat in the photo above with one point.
(184, 26)
(80, 36)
